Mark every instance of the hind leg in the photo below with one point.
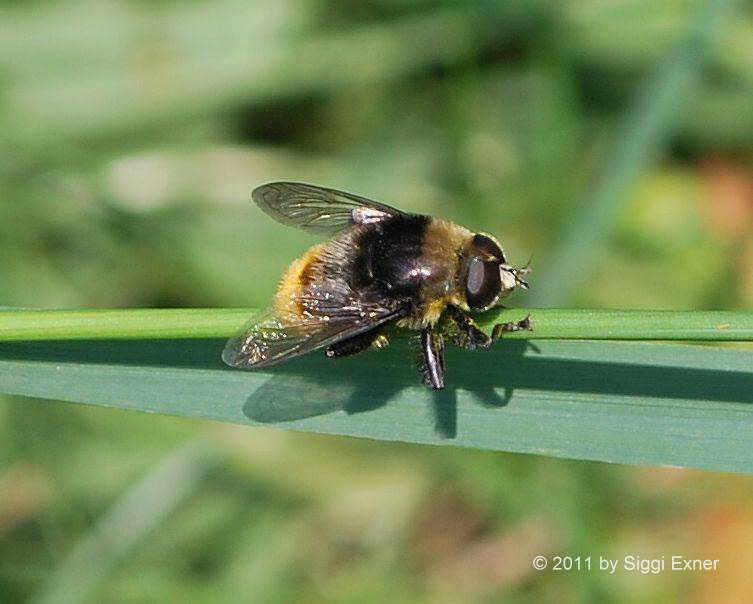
(357, 344)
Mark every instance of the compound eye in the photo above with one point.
(483, 283)
(483, 245)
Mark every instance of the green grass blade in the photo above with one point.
(129, 323)
(549, 323)
(625, 402)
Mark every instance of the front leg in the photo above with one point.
(501, 328)
(463, 332)
(432, 347)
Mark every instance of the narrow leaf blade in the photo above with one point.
(611, 401)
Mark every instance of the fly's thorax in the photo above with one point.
(440, 261)
(440, 255)
(409, 258)
(388, 256)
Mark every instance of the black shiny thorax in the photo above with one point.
(389, 256)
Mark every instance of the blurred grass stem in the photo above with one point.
(646, 129)
(139, 510)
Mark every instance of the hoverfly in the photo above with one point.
(381, 267)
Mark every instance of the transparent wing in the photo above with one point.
(318, 209)
(266, 340)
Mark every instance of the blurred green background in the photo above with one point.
(611, 141)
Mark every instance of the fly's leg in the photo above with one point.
(501, 328)
(432, 347)
(356, 344)
(462, 331)
(381, 341)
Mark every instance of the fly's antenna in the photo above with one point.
(523, 270)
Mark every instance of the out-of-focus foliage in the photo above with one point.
(131, 133)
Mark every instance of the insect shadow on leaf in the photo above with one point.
(315, 386)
